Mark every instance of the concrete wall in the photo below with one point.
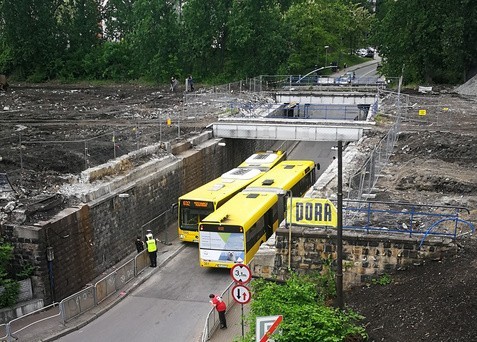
(100, 231)
(20, 309)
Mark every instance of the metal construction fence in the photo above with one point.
(362, 182)
(93, 144)
(89, 150)
(267, 83)
(426, 111)
(416, 112)
(78, 303)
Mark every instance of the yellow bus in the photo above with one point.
(234, 232)
(264, 161)
(198, 203)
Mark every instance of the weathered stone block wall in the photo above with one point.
(29, 247)
(71, 236)
(365, 256)
(89, 239)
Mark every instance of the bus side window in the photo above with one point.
(269, 222)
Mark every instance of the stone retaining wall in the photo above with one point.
(117, 206)
(365, 256)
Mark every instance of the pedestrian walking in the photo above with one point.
(151, 244)
(139, 244)
(173, 83)
(190, 83)
(3, 82)
(221, 307)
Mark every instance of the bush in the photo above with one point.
(9, 291)
(9, 288)
(306, 316)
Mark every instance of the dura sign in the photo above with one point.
(313, 212)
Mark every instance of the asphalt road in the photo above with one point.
(171, 305)
(319, 152)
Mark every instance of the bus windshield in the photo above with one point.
(190, 218)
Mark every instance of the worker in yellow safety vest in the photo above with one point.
(151, 244)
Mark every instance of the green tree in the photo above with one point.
(154, 41)
(205, 37)
(31, 37)
(80, 23)
(314, 24)
(358, 29)
(258, 42)
(118, 19)
(429, 41)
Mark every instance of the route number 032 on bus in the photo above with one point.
(198, 203)
(234, 232)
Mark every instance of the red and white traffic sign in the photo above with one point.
(241, 273)
(266, 326)
(241, 294)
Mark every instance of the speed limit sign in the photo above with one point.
(240, 273)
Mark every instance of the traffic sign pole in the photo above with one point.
(241, 294)
(243, 334)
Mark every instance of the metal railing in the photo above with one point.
(406, 218)
(212, 320)
(15, 327)
(113, 281)
(80, 302)
(94, 295)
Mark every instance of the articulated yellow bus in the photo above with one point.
(197, 204)
(234, 232)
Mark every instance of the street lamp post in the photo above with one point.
(326, 55)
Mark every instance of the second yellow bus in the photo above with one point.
(234, 232)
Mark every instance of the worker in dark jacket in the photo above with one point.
(139, 244)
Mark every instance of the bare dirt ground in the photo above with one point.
(435, 162)
(51, 132)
